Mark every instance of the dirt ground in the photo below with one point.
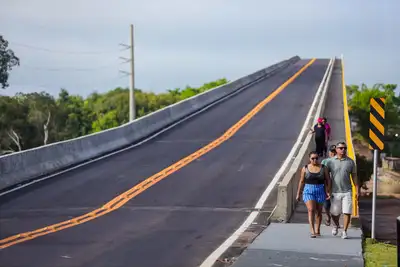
(362, 149)
(387, 210)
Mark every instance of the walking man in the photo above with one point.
(341, 167)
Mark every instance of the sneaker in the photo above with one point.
(334, 231)
(344, 235)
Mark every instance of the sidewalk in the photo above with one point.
(288, 245)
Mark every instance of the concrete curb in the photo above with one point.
(25, 166)
(287, 188)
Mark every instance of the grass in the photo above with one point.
(379, 254)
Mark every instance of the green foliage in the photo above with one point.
(379, 253)
(34, 119)
(359, 104)
(392, 148)
(364, 168)
(8, 60)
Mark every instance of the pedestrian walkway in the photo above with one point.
(287, 245)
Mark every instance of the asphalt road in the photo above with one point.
(182, 219)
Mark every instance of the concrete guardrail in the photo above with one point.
(27, 165)
(287, 188)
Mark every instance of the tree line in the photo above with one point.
(30, 120)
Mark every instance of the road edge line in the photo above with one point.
(349, 139)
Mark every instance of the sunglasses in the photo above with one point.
(341, 147)
(314, 158)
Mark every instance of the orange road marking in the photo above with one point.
(123, 198)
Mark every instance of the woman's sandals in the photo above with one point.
(315, 235)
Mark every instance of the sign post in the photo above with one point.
(376, 137)
(398, 241)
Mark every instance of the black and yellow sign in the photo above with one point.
(377, 122)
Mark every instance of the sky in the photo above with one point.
(74, 44)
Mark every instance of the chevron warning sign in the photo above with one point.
(377, 123)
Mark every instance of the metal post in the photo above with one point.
(398, 241)
(132, 108)
(374, 193)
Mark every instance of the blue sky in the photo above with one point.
(182, 42)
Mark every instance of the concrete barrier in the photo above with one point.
(287, 188)
(30, 164)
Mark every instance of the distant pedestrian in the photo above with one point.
(313, 185)
(328, 134)
(327, 203)
(320, 137)
(340, 168)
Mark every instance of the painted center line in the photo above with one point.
(123, 198)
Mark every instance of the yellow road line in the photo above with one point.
(349, 141)
(120, 200)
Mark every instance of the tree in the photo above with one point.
(359, 103)
(73, 117)
(8, 60)
(41, 107)
(12, 124)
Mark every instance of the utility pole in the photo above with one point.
(131, 47)
(132, 114)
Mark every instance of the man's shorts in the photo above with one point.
(341, 203)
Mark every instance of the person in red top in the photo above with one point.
(328, 134)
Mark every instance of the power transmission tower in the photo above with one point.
(132, 108)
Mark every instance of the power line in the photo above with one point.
(67, 52)
(69, 69)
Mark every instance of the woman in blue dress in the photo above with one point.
(315, 186)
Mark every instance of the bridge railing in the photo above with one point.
(287, 188)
